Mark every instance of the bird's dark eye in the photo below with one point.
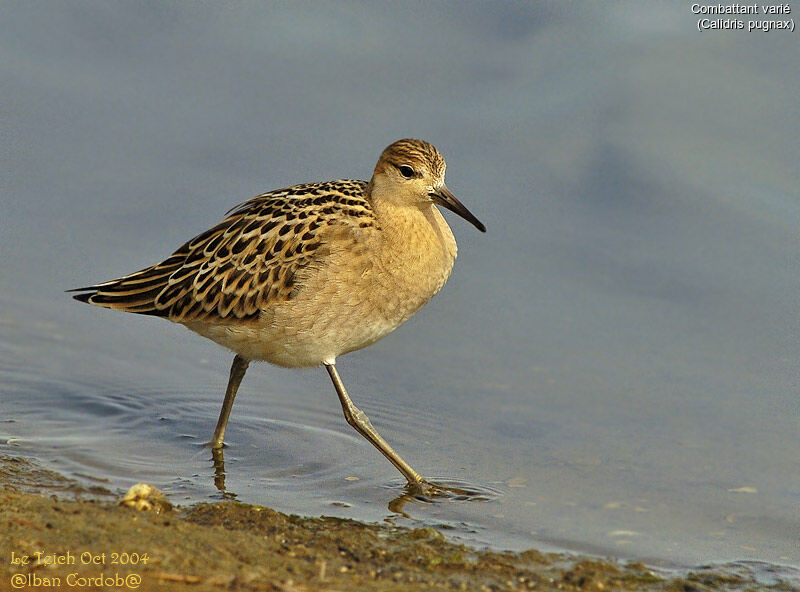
(406, 171)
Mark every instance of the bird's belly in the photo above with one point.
(298, 341)
(279, 347)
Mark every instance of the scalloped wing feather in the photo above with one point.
(244, 263)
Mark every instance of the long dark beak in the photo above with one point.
(443, 197)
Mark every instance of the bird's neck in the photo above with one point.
(417, 243)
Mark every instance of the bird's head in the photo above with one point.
(411, 172)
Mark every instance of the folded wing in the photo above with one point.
(245, 262)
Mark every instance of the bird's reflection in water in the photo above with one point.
(218, 460)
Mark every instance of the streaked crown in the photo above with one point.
(420, 155)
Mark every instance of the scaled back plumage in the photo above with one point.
(245, 262)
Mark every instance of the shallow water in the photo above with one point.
(613, 365)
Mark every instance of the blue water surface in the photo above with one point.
(614, 363)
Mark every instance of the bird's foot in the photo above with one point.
(424, 489)
(430, 491)
(435, 492)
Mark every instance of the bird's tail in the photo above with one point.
(136, 292)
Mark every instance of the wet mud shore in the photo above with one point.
(58, 535)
